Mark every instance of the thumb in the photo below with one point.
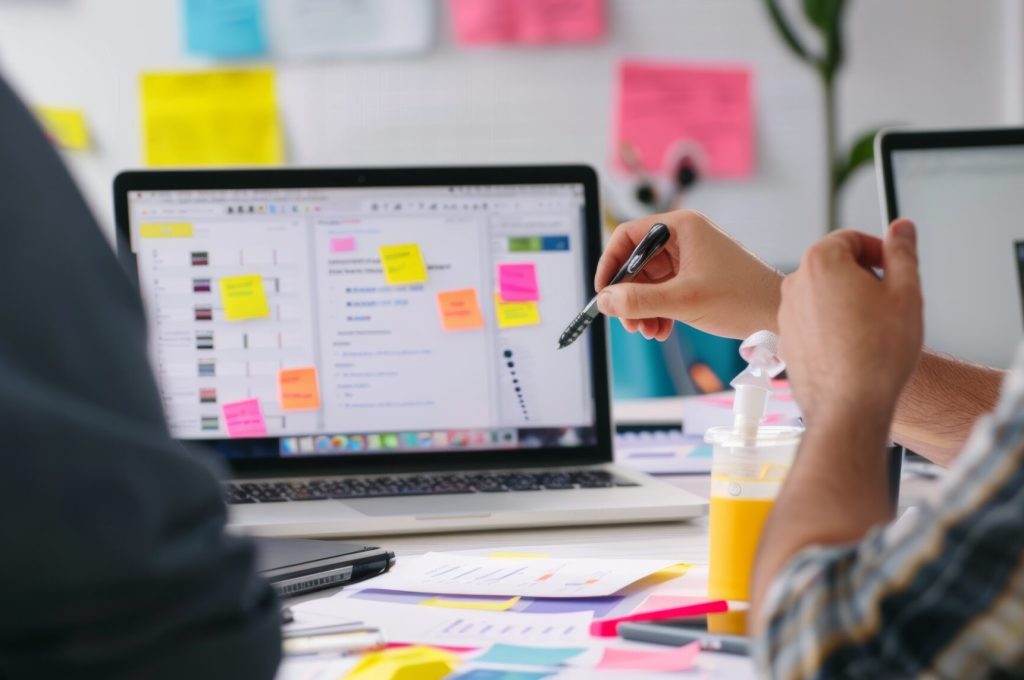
(900, 255)
(637, 300)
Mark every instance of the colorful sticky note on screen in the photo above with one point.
(661, 106)
(214, 117)
(513, 314)
(65, 127)
(486, 22)
(224, 28)
(403, 264)
(460, 310)
(245, 419)
(299, 388)
(517, 282)
(166, 230)
(244, 298)
(343, 244)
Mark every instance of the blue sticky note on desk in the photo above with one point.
(488, 674)
(224, 28)
(529, 656)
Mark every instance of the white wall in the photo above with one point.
(934, 62)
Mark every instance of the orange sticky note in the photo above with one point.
(460, 310)
(486, 22)
(299, 389)
(661, 106)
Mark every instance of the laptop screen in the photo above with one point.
(358, 321)
(967, 203)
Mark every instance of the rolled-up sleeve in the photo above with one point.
(938, 593)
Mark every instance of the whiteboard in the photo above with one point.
(548, 104)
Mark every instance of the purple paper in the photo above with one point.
(601, 606)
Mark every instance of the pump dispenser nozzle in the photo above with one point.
(754, 383)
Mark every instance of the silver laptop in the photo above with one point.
(374, 351)
(963, 189)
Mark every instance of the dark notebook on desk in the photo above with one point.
(295, 566)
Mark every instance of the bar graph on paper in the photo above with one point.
(544, 577)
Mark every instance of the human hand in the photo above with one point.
(850, 339)
(702, 277)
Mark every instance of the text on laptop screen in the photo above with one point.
(361, 320)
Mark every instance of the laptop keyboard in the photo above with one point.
(418, 485)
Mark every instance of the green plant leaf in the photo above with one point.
(786, 31)
(861, 153)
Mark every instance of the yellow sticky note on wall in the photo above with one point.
(244, 297)
(217, 117)
(403, 264)
(512, 314)
(65, 127)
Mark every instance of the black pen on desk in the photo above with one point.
(649, 246)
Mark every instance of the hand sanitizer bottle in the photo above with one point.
(749, 464)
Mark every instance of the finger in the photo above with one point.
(664, 329)
(866, 250)
(638, 300)
(631, 325)
(620, 245)
(901, 269)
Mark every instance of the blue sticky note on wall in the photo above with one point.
(225, 28)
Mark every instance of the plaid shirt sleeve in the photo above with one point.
(938, 594)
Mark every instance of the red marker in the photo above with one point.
(610, 627)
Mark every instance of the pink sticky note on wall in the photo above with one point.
(245, 419)
(678, 659)
(661, 105)
(488, 22)
(343, 244)
(518, 282)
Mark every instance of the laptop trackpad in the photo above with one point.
(444, 505)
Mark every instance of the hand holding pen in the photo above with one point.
(642, 254)
(701, 276)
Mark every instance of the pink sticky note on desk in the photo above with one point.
(245, 419)
(518, 282)
(343, 244)
(489, 22)
(678, 659)
(661, 105)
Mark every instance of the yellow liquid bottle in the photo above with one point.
(735, 529)
(746, 475)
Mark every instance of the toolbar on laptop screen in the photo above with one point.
(362, 320)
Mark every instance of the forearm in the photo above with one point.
(840, 473)
(940, 404)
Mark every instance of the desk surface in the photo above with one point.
(682, 541)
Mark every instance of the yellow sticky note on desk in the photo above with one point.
(217, 117)
(244, 297)
(512, 314)
(403, 264)
(65, 127)
(417, 662)
(479, 605)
